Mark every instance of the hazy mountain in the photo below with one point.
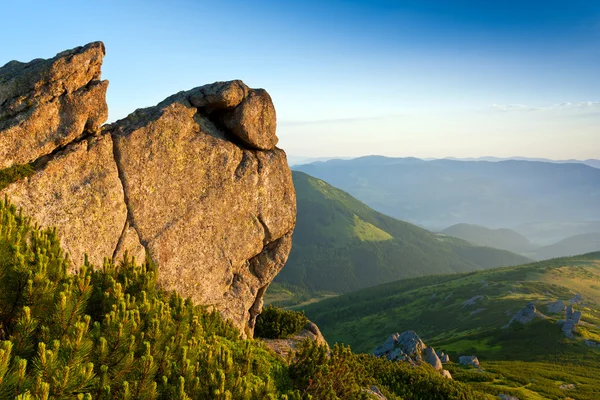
(440, 193)
(547, 233)
(340, 244)
(501, 238)
(590, 162)
(578, 244)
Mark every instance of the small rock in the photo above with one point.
(472, 300)
(507, 397)
(556, 307)
(374, 391)
(432, 359)
(567, 386)
(576, 299)
(468, 360)
(446, 374)
(526, 315)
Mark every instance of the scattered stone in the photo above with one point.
(526, 315)
(446, 374)
(591, 343)
(468, 360)
(472, 300)
(432, 359)
(376, 393)
(573, 318)
(576, 299)
(408, 347)
(444, 358)
(507, 397)
(567, 386)
(556, 307)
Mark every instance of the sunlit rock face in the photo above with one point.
(195, 182)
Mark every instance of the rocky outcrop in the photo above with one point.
(195, 182)
(556, 307)
(573, 318)
(408, 347)
(526, 315)
(444, 358)
(46, 104)
(469, 360)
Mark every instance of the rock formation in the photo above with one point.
(408, 347)
(573, 318)
(526, 315)
(469, 360)
(195, 182)
(556, 307)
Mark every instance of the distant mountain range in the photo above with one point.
(501, 238)
(300, 160)
(513, 241)
(440, 193)
(340, 244)
(578, 244)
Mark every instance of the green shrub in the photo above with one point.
(14, 173)
(275, 323)
(110, 333)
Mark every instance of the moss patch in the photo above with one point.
(14, 173)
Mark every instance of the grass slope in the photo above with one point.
(529, 361)
(340, 245)
(502, 238)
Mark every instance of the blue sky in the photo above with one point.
(348, 78)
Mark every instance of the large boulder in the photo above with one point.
(214, 214)
(46, 104)
(195, 182)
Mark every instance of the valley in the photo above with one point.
(471, 313)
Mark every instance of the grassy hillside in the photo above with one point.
(532, 359)
(340, 245)
(502, 238)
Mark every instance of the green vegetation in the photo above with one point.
(529, 361)
(111, 333)
(340, 245)
(275, 323)
(14, 173)
(282, 294)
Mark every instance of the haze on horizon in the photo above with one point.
(428, 78)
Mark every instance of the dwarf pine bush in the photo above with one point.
(110, 333)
